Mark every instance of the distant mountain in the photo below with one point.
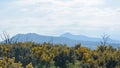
(66, 38)
(84, 38)
(41, 39)
(79, 37)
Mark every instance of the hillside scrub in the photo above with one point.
(46, 55)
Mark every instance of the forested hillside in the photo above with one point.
(46, 55)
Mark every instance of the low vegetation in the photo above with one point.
(46, 55)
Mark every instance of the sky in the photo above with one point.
(55, 17)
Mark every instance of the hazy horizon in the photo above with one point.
(91, 18)
(60, 35)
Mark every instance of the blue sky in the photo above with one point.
(54, 17)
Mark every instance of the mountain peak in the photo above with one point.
(66, 38)
(31, 34)
(66, 34)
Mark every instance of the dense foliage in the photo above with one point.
(46, 55)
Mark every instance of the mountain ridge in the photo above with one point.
(66, 38)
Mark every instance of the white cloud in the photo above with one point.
(59, 16)
(58, 2)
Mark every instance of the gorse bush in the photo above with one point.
(46, 55)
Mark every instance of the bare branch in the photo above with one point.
(105, 38)
(6, 38)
